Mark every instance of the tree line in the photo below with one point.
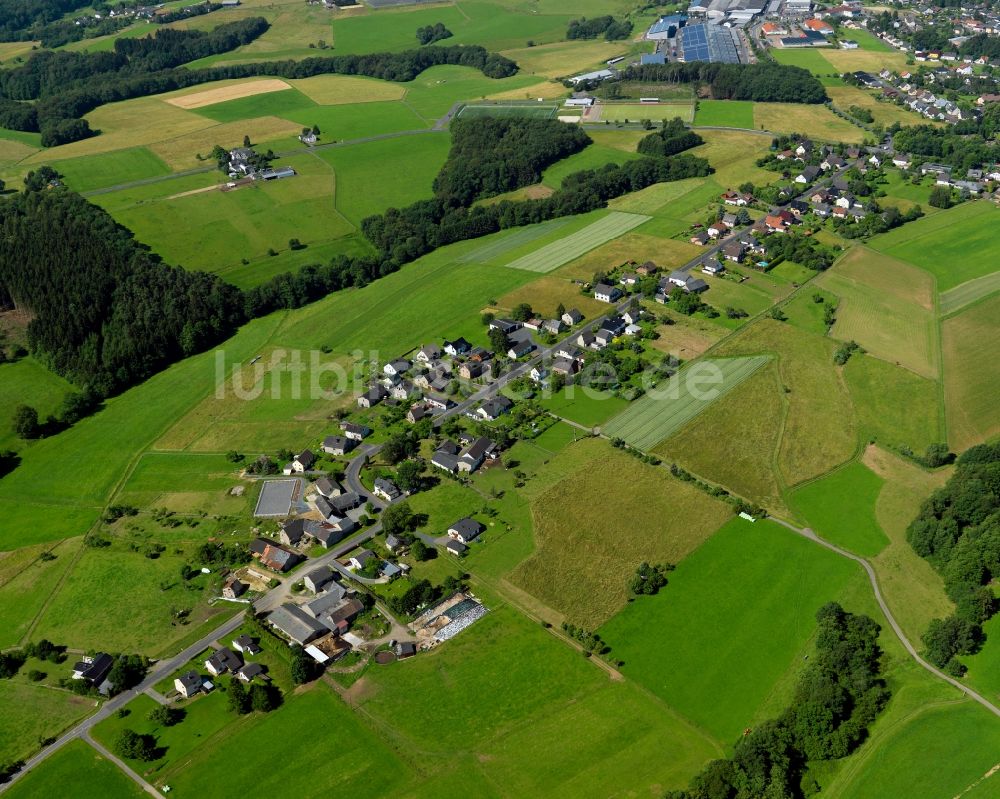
(66, 86)
(611, 28)
(968, 144)
(836, 699)
(23, 20)
(958, 532)
(764, 82)
(670, 139)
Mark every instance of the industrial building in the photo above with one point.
(704, 42)
(666, 27)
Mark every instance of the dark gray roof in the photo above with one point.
(467, 528)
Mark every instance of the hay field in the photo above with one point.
(816, 121)
(561, 252)
(672, 404)
(885, 113)
(546, 293)
(914, 591)
(969, 292)
(820, 431)
(344, 89)
(221, 94)
(886, 306)
(180, 152)
(725, 113)
(565, 58)
(867, 60)
(735, 440)
(972, 374)
(582, 563)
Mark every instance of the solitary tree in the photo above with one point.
(25, 422)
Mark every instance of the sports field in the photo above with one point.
(536, 110)
(669, 406)
(560, 252)
(748, 596)
(724, 113)
(942, 243)
(971, 291)
(633, 112)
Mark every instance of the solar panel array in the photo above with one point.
(664, 24)
(701, 42)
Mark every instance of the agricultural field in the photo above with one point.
(749, 421)
(885, 113)
(748, 583)
(61, 775)
(23, 379)
(593, 156)
(580, 566)
(841, 508)
(941, 244)
(37, 710)
(972, 374)
(965, 294)
(805, 57)
(816, 121)
(724, 113)
(562, 251)
(534, 110)
(672, 404)
(553, 724)
(819, 431)
(887, 306)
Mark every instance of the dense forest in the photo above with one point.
(958, 531)
(106, 313)
(21, 20)
(492, 155)
(982, 44)
(670, 139)
(69, 85)
(838, 696)
(765, 82)
(606, 26)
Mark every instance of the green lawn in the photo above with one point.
(748, 596)
(841, 508)
(806, 58)
(593, 156)
(724, 113)
(27, 381)
(955, 246)
(63, 775)
(585, 406)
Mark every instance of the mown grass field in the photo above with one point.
(885, 113)
(815, 121)
(669, 406)
(735, 440)
(552, 723)
(61, 775)
(560, 252)
(972, 374)
(581, 563)
(819, 431)
(724, 113)
(807, 58)
(893, 405)
(111, 169)
(841, 508)
(33, 711)
(748, 595)
(969, 292)
(26, 380)
(887, 306)
(593, 156)
(914, 591)
(942, 243)
(392, 173)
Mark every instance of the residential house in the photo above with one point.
(428, 353)
(632, 315)
(329, 532)
(223, 660)
(565, 367)
(572, 317)
(456, 548)
(338, 445)
(473, 456)
(554, 326)
(647, 269)
(372, 397)
(295, 624)
(420, 410)
(605, 293)
(292, 532)
(355, 432)
(457, 347)
(519, 349)
(233, 589)
(317, 579)
(273, 556)
(494, 408)
(245, 644)
(301, 463)
(445, 460)
(718, 229)
(248, 671)
(902, 161)
(326, 487)
(360, 560)
(386, 489)
(188, 684)
(465, 530)
(713, 267)
(736, 198)
(585, 340)
(394, 544)
(808, 175)
(629, 279)
(701, 238)
(93, 670)
(734, 251)
(347, 501)
(473, 370)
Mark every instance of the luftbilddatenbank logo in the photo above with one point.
(291, 374)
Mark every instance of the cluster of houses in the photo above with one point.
(245, 162)
(320, 623)
(900, 90)
(224, 660)
(467, 456)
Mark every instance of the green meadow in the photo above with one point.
(736, 612)
(26, 380)
(724, 113)
(841, 509)
(110, 169)
(60, 775)
(955, 246)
